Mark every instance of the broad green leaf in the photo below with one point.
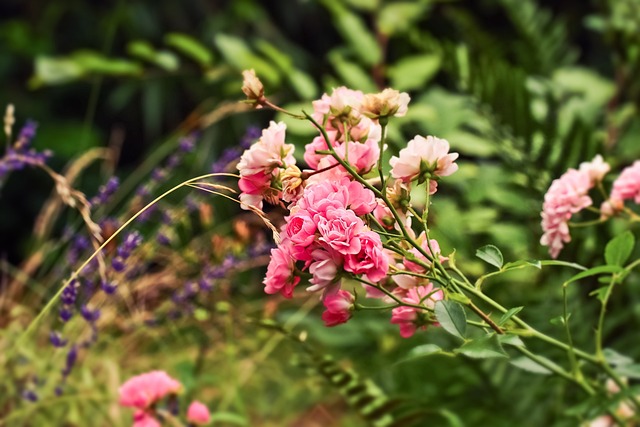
(237, 53)
(303, 84)
(452, 318)
(55, 71)
(398, 16)
(491, 255)
(485, 347)
(616, 359)
(553, 262)
(351, 73)
(361, 40)
(94, 62)
(414, 72)
(190, 48)
(422, 351)
(509, 314)
(629, 371)
(619, 249)
(603, 269)
(280, 59)
(510, 339)
(162, 58)
(529, 365)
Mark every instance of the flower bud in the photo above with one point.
(252, 87)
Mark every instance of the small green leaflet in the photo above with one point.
(485, 347)
(451, 317)
(529, 365)
(491, 255)
(619, 249)
(509, 314)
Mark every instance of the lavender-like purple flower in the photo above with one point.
(70, 361)
(232, 154)
(20, 155)
(109, 288)
(89, 315)
(30, 395)
(56, 339)
(131, 242)
(106, 191)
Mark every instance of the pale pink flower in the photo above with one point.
(339, 229)
(280, 271)
(424, 155)
(387, 103)
(319, 144)
(596, 168)
(143, 419)
(301, 229)
(144, 390)
(361, 156)
(371, 260)
(410, 318)
(198, 413)
(339, 308)
(344, 100)
(417, 268)
(566, 196)
(324, 268)
(627, 185)
(383, 214)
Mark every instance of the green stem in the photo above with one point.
(383, 136)
(571, 351)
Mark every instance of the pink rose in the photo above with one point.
(280, 271)
(339, 307)
(339, 229)
(324, 267)
(198, 413)
(409, 318)
(423, 155)
(144, 390)
(144, 419)
(370, 261)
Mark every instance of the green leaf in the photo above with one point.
(529, 365)
(398, 16)
(303, 84)
(55, 71)
(629, 371)
(422, 351)
(509, 314)
(451, 317)
(361, 40)
(414, 72)
(510, 339)
(94, 62)
(190, 48)
(162, 58)
(616, 359)
(619, 249)
(552, 262)
(237, 53)
(228, 418)
(603, 269)
(523, 263)
(485, 347)
(491, 255)
(351, 73)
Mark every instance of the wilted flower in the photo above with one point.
(292, 183)
(387, 103)
(252, 87)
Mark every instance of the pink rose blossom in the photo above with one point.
(198, 413)
(144, 419)
(339, 307)
(318, 144)
(596, 168)
(371, 260)
(280, 271)
(387, 103)
(339, 229)
(361, 156)
(566, 196)
(324, 268)
(422, 155)
(301, 229)
(383, 214)
(409, 318)
(627, 185)
(417, 268)
(144, 390)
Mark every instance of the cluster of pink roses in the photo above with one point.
(331, 232)
(144, 391)
(569, 194)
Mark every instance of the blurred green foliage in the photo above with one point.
(523, 89)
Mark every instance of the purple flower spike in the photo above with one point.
(57, 340)
(30, 395)
(66, 314)
(109, 288)
(89, 315)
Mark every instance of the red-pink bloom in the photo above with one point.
(371, 260)
(144, 419)
(424, 155)
(408, 318)
(566, 196)
(198, 413)
(340, 229)
(339, 307)
(301, 229)
(144, 390)
(280, 271)
(627, 185)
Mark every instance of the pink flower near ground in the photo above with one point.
(144, 390)
(339, 308)
(627, 185)
(198, 413)
(566, 196)
(144, 419)
(280, 271)
(408, 318)
(424, 155)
